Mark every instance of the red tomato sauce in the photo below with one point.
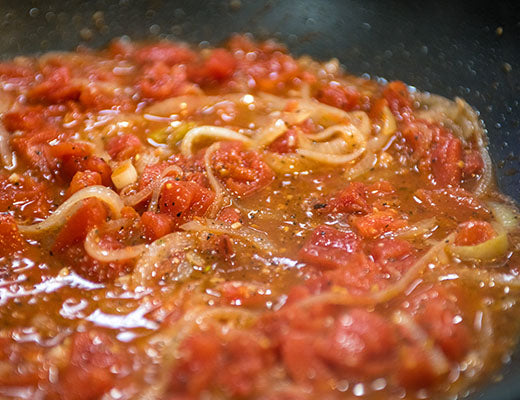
(238, 223)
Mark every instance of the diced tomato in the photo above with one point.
(94, 98)
(26, 118)
(399, 100)
(347, 98)
(55, 87)
(414, 369)
(446, 161)
(245, 294)
(329, 248)
(361, 342)
(183, 200)
(242, 170)
(11, 240)
(82, 179)
(287, 143)
(34, 148)
(352, 199)
(474, 232)
(151, 173)
(389, 250)
(16, 74)
(232, 364)
(156, 225)
(419, 135)
(72, 164)
(452, 202)
(230, 215)
(70, 149)
(88, 374)
(25, 196)
(377, 223)
(473, 163)
(168, 53)
(219, 66)
(92, 213)
(300, 359)
(438, 313)
(123, 147)
(160, 81)
(220, 246)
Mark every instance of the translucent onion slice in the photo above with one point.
(158, 256)
(7, 156)
(271, 132)
(505, 215)
(256, 238)
(437, 358)
(489, 250)
(487, 173)
(97, 252)
(288, 163)
(215, 184)
(71, 205)
(211, 132)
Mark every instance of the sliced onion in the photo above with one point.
(389, 125)
(437, 358)
(256, 238)
(158, 255)
(71, 205)
(271, 132)
(360, 168)
(487, 173)
(420, 228)
(215, 184)
(95, 251)
(505, 215)
(7, 156)
(288, 163)
(342, 296)
(152, 188)
(489, 250)
(212, 132)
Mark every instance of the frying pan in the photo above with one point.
(461, 48)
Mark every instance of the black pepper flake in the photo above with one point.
(319, 205)
(179, 214)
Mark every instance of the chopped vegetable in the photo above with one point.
(124, 175)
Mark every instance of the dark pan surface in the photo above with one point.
(454, 48)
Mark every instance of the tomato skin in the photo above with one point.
(81, 180)
(123, 147)
(88, 374)
(329, 248)
(474, 232)
(92, 213)
(156, 225)
(11, 240)
(182, 200)
(242, 171)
